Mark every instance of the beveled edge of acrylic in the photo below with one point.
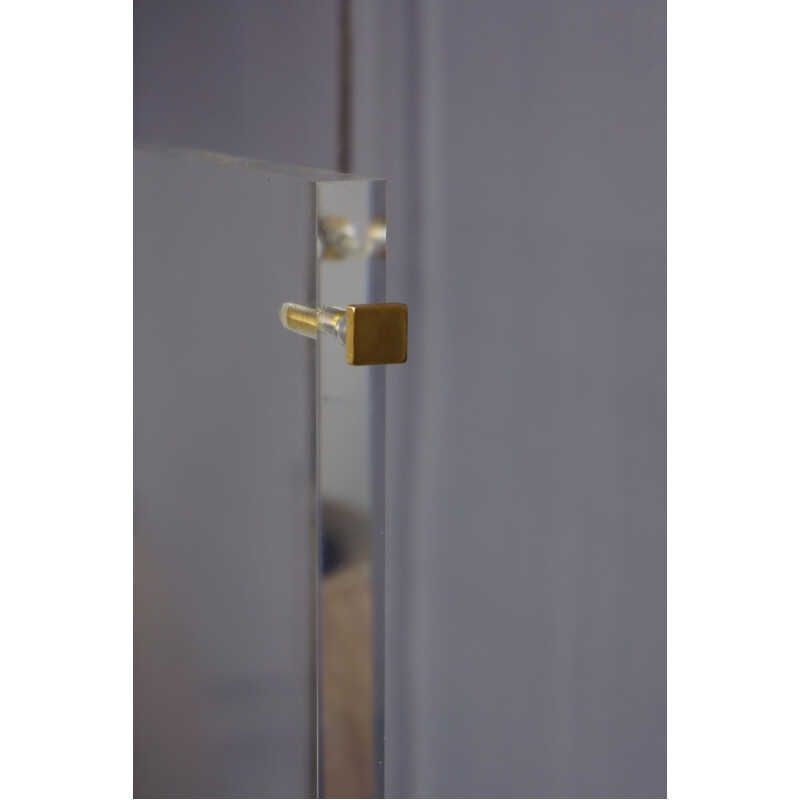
(291, 171)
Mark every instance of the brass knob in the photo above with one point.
(372, 333)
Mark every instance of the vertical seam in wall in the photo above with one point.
(429, 257)
(345, 80)
(404, 777)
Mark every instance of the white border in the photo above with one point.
(734, 86)
(65, 328)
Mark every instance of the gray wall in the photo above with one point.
(246, 77)
(525, 148)
(528, 562)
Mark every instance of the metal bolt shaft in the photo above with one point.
(311, 321)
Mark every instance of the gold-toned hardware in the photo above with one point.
(377, 333)
(308, 321)
(300, 319)
(372, 333)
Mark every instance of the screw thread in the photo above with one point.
(309, 321)
(300, 319)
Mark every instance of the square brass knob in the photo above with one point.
(372, 333)
(377, 333)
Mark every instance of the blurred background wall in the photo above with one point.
(525, 148)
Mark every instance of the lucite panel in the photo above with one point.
(258, 484)
(350, 420)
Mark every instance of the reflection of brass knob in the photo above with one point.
(340, 239)
(372, 333)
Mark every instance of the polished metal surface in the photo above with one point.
(377, 333)
(372, 333)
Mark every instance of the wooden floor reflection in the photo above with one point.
(347, 696)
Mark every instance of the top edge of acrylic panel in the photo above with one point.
(291, 171)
